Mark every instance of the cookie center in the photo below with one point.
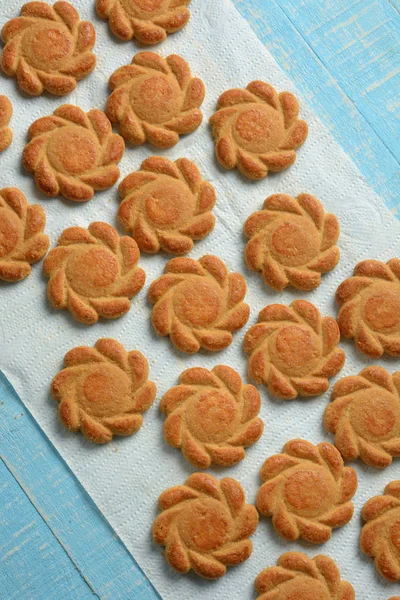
(376, 414)
(295, 244)
(170, 205)
(144, 8)
(197, 302)
(46, 47)
(73, 150)
(106, 392)
(10, 231)
(204, 525)
(212, 417)
(309, 491)
(303, 588)
(382, 310)
(297, 349)
(259, 128)
(395, 534)
(92, 270)
(156, 99)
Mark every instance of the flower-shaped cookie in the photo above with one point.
(73, 153)
(205, 525)
(22, 241)
(292, 241)
(370, 307)
(293, 350)
(93, 272)
(48, 48)
(380, 536)
(198, 304)
(166, 205)
(212, 416)
(6, 111)
(149, 21)
(155, 99)
(256, 130)
(103, 390)
(365, 416)
(307, 491)
(299, 577)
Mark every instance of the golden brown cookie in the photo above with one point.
(93, 273)
(48, 48)
(6, 134)
(307, 491)
(212, 416)
(293, 350)
(256, 130)
(166, 205)
(298, 577)
(364, 415)
(22, 241)
(198, 303)
(205, 525)
(370, 307)
(380, 536)
(292, 241)
(149, 21)
(73, 153)
(155, 99)
(103, 390)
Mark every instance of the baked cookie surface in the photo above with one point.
(93, 273)
(364, 415)
(370, 307)
(166, 205)
(293, 350)
(381, 534)
(205, 525)
(48, 48)
(307, 491)
(198, 304)
(212, 416)
(155, 99)
(149, 21)
(302, 578)
(22, 241)
(292, 241)
(103, 390)
(257, 130)
(73, 153)
(6, 112)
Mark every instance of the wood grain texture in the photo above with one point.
(344, 57)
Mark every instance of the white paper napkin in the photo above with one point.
(126, 476)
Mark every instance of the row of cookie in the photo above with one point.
(48, 48)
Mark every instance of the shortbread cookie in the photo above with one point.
(103, 390)
(212, 416)
(364, 415)
(166, 205)
(155, 99)
(380, 536)
(293, 350)
(298, 577)
(6, 134)
(22, 241)
(307, 491)
(48, 48)
(73, 153)
(149, 21)
(198, 303)
(292, 241)
(370, 307)
(205, 525)
(256, 130)
(93, 273)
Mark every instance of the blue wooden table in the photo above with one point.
(344, 56)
